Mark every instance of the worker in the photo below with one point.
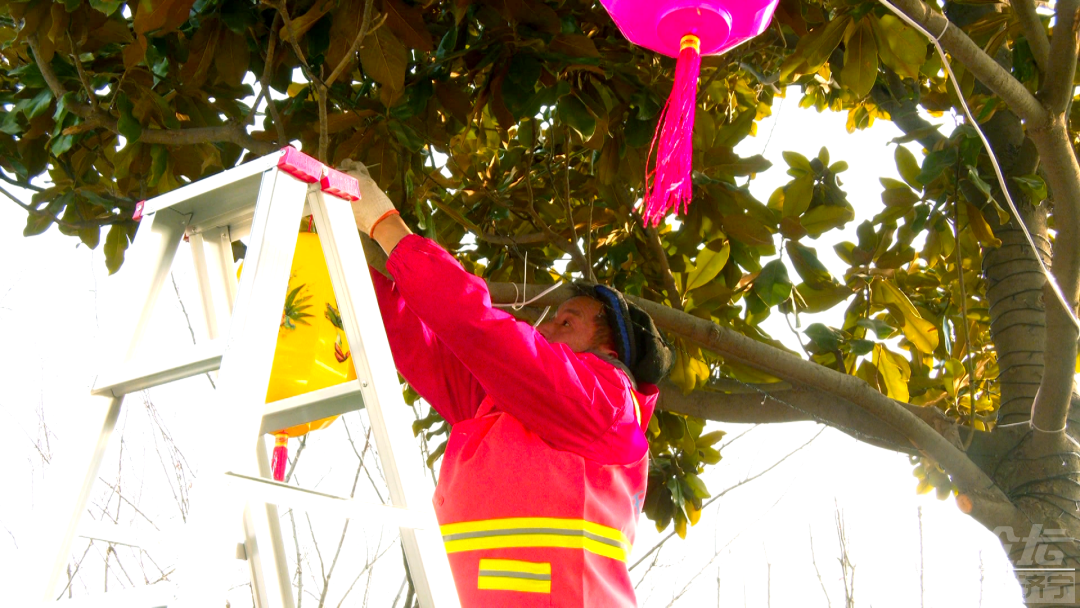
(546, 465)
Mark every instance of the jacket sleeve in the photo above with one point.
(424, 361)
(552, 391)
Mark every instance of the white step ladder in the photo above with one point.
(265, 200)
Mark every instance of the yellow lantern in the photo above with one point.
(312, 351)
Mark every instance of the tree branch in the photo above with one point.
(657, 248)
(1051, 407)
(1034, 32)
(1058, 83)
(989, 502)
(264, 82)
(975, 60)
(904, 111)
(95, 118)
(365, 21)
(523, 239)
(794, 405)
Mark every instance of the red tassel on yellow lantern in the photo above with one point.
(312, 351)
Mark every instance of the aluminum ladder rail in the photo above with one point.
(260, 200)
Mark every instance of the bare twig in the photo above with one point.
(82, 73)
(813, 558)
(268, 71)
(1034, 32)
(716, 497)
(657, 249)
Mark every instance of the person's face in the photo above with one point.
(574, 324)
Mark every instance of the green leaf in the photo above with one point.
(798, 163)
(710, 261)
(128, 126)
(384, 59)
(61, 144)
(819, 300)
(697, 486)
(448, 43)
(934, 163)
(575, 114)
(1033, 186)
(908, 167)
(823, 218)
(897, 194)
(895, 370)
(573, 45)
(880, 328)
(902, 49)
(825, 339)
(860, 59)
(798, 195)
(922, 333)
(747, 229)
(90, 236)
(39, 103)
(106, 6)
(772, 285)
(159, 156)
(116, 243)
(808, 265)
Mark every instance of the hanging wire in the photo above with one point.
(935, 40)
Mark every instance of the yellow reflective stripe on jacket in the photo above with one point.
(521, 532)
(637, 407)
(514, 575)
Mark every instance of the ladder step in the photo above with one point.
(139, 375)
(316, 405)
(283, 495)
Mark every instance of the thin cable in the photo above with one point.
(517, 306)
(993, 158)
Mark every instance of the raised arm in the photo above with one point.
(571, 401)
(425, 362)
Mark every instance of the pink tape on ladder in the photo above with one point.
(341, 185)
(300, 165)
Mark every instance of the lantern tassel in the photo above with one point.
(667, 184)
(281, 456)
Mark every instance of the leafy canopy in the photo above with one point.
(544, 114)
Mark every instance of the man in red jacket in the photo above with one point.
(547, 461)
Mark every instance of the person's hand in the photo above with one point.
(373, 206)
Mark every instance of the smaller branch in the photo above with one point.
(264, 82)
(95, 118)
(82, 74)
(767, 81)
(347, 59)
(657, 248)
(1034, 32)
(324, 135)
(981, 65)
(1058, 82)
(523, 239)
(745, 481)
(108, 221)
(26, 186)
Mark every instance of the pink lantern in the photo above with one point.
(686, 29)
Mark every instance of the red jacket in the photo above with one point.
(547, 460)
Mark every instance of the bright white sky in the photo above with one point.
(752, 547)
